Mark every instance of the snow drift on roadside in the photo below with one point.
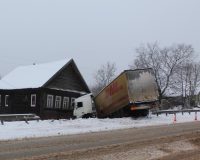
(19, 130)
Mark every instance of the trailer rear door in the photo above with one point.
(142, 86)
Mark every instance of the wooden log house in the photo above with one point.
(47, 90)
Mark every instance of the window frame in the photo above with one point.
(58, 102)
(33, 95)
(0, 100)
(71, 103)
(65, 102)
(6, 100)
(51, 102)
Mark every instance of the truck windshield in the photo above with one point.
(79, 104)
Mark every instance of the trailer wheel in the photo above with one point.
(140, 113)
(145, 112)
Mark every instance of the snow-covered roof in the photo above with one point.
(4, 85)
(31, 76)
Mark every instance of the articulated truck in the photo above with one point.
(132, 93)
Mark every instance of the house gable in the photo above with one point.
(68, 78)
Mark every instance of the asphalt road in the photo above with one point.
(176, 141)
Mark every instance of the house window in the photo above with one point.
(72, 103)
(6, 100)
(49, 101)
(58, 102)
(65, 102)
(0, 100)
(33, 100)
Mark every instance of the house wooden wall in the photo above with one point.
(3, 108)
(56, 113)
(20, 102)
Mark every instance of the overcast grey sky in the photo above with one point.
(92, 31)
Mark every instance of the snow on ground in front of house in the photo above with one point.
(20, 130)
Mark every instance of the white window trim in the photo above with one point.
(0, 100)
(51, 106)
(59, 101)
(65, 101)
(72, 101)
(33, 95)
(6, 104)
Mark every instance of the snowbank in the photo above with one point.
(19, 130)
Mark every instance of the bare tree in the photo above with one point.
(186, 82)
(163, 61)
(103, 76)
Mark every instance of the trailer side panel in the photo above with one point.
(113, 97)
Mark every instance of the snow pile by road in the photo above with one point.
(19, 130)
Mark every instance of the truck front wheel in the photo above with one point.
(89, 115)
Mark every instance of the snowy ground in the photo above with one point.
(19, 130)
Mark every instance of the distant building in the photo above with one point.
(47, 90)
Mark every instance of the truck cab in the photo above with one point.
(84, 106)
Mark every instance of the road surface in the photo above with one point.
(168, 142)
